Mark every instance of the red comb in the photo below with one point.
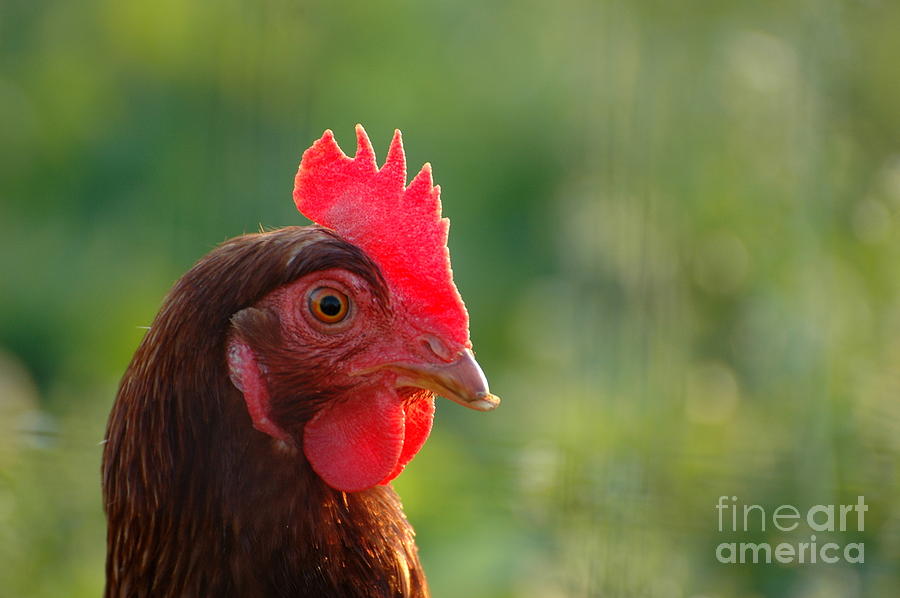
(398, 226)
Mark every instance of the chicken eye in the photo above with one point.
(328, 305)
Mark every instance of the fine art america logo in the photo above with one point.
(754, 519)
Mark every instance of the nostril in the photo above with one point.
(437, 347)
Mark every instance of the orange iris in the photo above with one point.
(328, 305)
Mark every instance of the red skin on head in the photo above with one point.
(368, 432)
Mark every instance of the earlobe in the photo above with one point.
(245, 373)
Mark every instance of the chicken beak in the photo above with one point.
(461, 381)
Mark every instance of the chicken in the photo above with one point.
(287, 379)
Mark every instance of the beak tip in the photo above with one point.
(485, 402)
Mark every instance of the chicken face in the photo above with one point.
(363, 423)
(390, 328)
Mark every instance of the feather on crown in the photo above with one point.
(398, 226)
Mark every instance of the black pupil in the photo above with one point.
(330, 305)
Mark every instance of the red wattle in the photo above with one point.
(357, 442)
(419, 417)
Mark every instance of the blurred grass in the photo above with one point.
(675, 227)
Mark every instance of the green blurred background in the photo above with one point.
(676, 227)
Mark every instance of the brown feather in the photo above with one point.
(198, 502)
